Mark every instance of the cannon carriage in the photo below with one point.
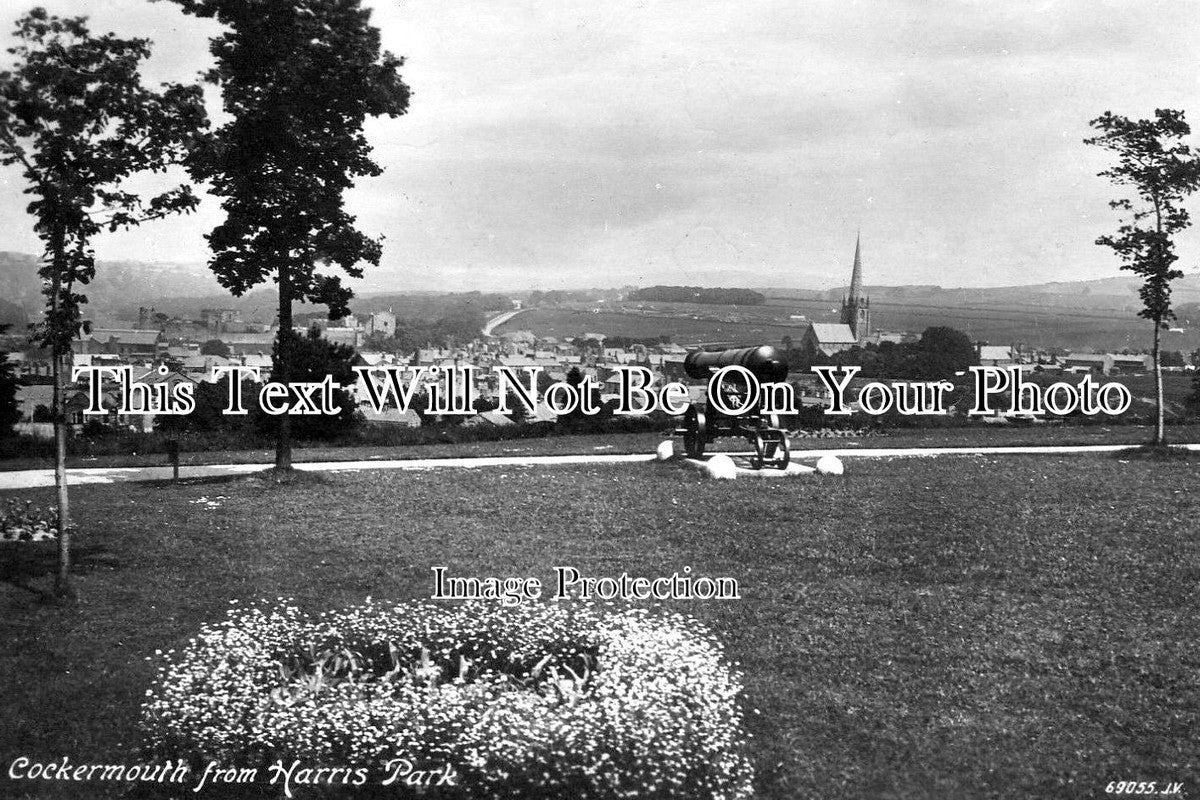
(703, 425)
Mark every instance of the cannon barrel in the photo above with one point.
(764, 362)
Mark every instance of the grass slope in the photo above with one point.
(952, 627)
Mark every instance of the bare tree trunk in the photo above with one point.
(1160, 433)
(283, 440)
(63, 588)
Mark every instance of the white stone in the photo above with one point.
(830, 465)
(666, 450)
(721, 467)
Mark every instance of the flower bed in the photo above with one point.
(25, 522)
(537, 700)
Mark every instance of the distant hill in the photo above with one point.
(1118, 293)
(119, 285)
(183, 289)
(13, 315)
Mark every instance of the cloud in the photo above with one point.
(578, 143)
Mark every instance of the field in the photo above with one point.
(956, 627)
(676, 323)
(1046, 327)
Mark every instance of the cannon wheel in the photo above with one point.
(695, 428)
(771, 449)
(783, 455)
(760, 451)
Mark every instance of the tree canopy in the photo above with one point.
(298, 80)
(215, 347)
(699, 294)
(1160, 170)
(77, 121)
(10, 411)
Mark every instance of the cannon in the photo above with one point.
(702, 426)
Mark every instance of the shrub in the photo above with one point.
(25, 522)
(535, 700)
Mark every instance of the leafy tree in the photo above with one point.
(214, 347)
(517, 411)
(419, 405)
(315, 357)
(75, 118)
(574, 380)
(298, 81)
(1161, 170)
(588, 345)
(208, 416)
(10, 410)
(1172, 358)
(698, 294)
(484, 404)
(941, 352)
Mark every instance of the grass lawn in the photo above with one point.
(618, 443)
(955, 627)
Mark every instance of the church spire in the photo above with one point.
(856, 308)
(856, 288)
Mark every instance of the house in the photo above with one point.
(183, 350)
(390, 416)
(30, 397)
(127, 343)
(199, 365)
(342, 335)
(993, 355)
(617, 355)
(517, 361)
(262, 361)
(382, 323)
(1107, 363)
(370, 358)
(243, 343)
(218, 320)
(1086, 362)
(827, 339)
(1125, 365)
(489, 418)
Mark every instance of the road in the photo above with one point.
(34, 478)
(499, 320)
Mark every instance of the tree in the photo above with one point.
(517, 411)
(10, 410)
(1160, 170)
(214, 347)
(941, 352)
(315, 358)
(76, 119)
(1172, 358)
(298, 80)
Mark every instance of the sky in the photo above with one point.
(575, 144)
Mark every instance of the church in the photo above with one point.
(854, 329)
